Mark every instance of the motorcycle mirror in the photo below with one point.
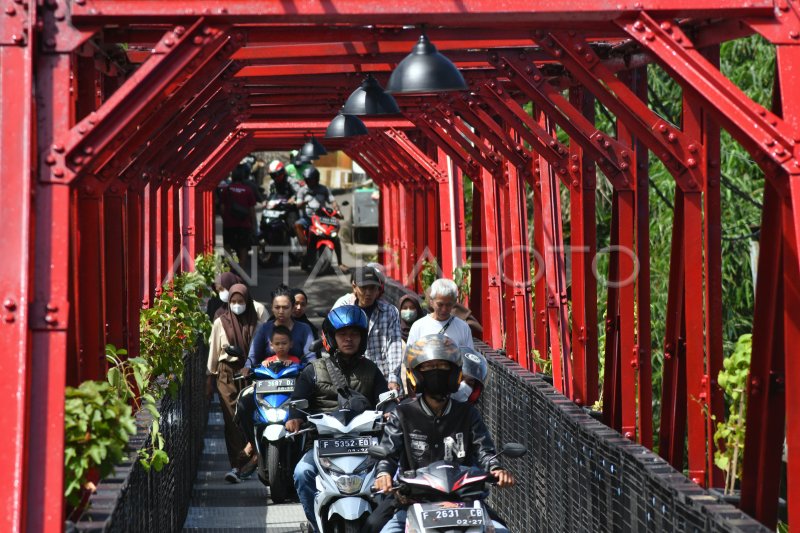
(316, 345)
(345, 203)
(387, 397)
(514, 449)
(299, 404)
(378, 452)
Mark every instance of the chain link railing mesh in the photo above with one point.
(135, 500)
(579, 475)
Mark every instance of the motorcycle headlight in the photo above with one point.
(329, 467)
(333, 234)
(349, 484)
(276, 416)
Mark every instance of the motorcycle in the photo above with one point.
(278, 452)
(323, 237)
(346, 471)
(276, 234)
(448, 497)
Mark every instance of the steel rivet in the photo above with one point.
(575, 182)
(672, 137)
(80, 2)
(794, 34)
(81, 129)
(58, 172)
(50, 160)
(537, 77)
(197, 40)
(9, 318)
(650, 36)
(638, 26)
(691, 162)
(18, 38)
(9, 304)
(50, 319)
(11, 11)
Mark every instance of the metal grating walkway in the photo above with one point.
(218, 506)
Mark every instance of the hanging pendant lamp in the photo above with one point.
(312, 149)
(345, 126)
(370, 99)
(425, 70)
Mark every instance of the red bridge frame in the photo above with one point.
(108, 174)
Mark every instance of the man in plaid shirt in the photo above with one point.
(384, 341)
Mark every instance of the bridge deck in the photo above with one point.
(218, 506)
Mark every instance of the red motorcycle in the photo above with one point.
(323, 239)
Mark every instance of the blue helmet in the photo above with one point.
(346, 316)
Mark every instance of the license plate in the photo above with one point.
(346, 446)
(452, 517)
(274, 386)
(329, 221)
(269, 213)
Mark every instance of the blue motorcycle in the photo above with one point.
(277, 453)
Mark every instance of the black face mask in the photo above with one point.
(437, 382)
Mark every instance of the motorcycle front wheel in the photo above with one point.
(324, 259)
(340, 525)
(278, 485)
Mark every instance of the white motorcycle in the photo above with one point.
(346, 471)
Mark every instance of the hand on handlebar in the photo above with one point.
(383, 483)
(504, 478)
(293, 425)
(244, 372)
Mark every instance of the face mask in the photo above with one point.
(408, 315)
(437, 382)
(463, 393)
(238, 309)
(224, 295)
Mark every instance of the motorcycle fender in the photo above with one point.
(324, 244)
(274, 432)
(350, 508)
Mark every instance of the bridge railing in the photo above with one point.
(579, 475)
(134, 499)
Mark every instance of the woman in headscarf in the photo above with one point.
(410, 311)
(218, 305)
(229, 344)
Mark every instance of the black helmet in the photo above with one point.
(474, 366)
(433, 348)
(346, 316)
(310, 173)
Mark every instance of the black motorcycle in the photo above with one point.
(277, 235)
(447, 497)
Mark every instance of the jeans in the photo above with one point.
(305, 476)
(398, 524)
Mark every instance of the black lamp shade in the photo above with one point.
(370, 99)
(425, 70)
(312, 149)
(300, 160)
(345, 126)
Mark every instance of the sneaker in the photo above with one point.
(233, 476)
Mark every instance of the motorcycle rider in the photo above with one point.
(475, 372)
(313, 190)
(433, 427)
(344, 337)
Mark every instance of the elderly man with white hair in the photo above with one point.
(443, 296)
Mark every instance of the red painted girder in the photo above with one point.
(672, 432)
(17, 138)
(231, 150)
(612, 156)
(612, 386)
(409, 12)
(319, 51)
(377, 64)
(766, 394)
(332, 100)
(413, 153)
(763, 134)
(448, 142)
(91, 142)
(788, 57)
(454, 128)
(680, 153)
(300, 125)
(137, 34)
(470, 110)
(583, 245)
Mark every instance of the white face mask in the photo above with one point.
(238, 309)
(463, 393)
(408, 315)
(224, 295)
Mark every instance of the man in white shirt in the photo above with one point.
(443, 296)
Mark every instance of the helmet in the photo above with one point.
(346, 316)
(474, 366)
(276, 171)
(433, 348)
(310, 173)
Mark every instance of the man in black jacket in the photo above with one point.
(344, 337)
(433, 427)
